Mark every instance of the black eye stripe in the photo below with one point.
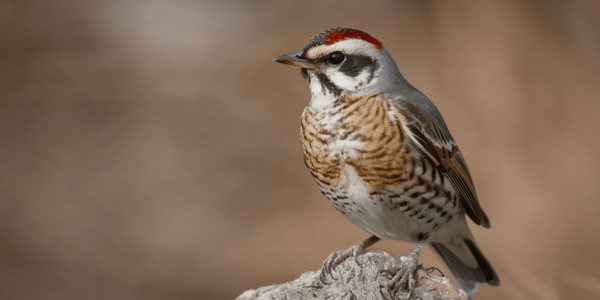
(326, 84)
(351, 66)
(354, 64)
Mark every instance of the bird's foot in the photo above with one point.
(404, 278)
(336, 258)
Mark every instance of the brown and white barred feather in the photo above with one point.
(359, 155)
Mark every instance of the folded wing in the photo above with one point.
(437, 143)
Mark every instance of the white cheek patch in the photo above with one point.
(364, 75)
(340, 79)
(348, 83)
(321, 99)
(315, 86)
(344, 81)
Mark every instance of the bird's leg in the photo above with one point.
(336, 258)
(405, 272)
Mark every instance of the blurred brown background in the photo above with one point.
(150, 149)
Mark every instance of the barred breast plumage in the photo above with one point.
(356, 149)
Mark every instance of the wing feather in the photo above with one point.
(437, 143)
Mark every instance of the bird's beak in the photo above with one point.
(295, 59)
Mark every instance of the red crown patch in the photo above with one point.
(337, 36)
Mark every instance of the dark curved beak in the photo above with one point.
(295, 59)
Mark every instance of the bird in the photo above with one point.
(381, 153)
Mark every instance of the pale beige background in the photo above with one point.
(150, 149)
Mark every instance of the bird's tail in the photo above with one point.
(467, 263)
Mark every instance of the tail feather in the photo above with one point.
(468, 265)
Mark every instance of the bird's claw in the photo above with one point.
(404, 277)
(335, 259)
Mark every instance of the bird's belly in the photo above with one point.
(409, 211)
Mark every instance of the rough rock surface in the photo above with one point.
(363, 278)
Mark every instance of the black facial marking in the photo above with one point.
(351, 66)
(305, 74)
(354, 64)
(326, 84)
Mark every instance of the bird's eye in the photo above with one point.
(336, 58)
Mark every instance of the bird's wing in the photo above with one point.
(437, 143)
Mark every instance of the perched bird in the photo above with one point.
(382, 155)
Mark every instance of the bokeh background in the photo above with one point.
(150, 149)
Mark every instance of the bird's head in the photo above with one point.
(344, 61)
